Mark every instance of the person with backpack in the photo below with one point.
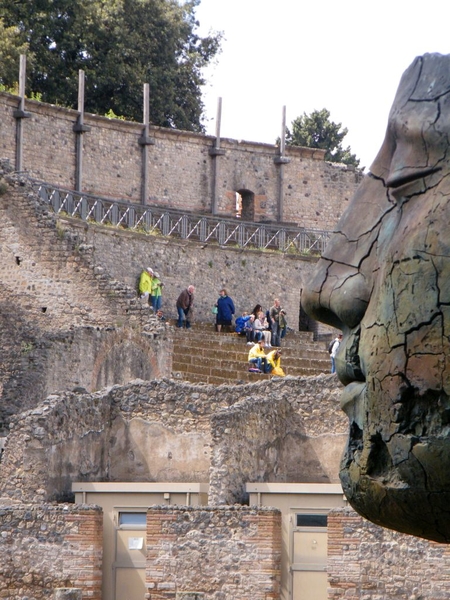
(239, 325)
(333, 349)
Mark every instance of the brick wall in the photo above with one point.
(180, 168)
(367, 562)
(218, 553)
(47, 547)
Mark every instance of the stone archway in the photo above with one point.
(247, 203)
(124, 356)
(305, 322)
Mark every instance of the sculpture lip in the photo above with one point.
(403, 176)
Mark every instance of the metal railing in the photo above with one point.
(188, 226)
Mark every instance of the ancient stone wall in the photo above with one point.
(47, 271)
(65, 322)
(216, 553)
(250, 276)
(368, 562)
(59, 276)
(36, 363)
(162, 431)
(47, 547)
(277, 432)
(180, 168)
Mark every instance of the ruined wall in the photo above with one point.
(144, 431)
(250, 276)
(47, 547)
(277, 432)
(36, 363)
(64, 320)
(238, 548)
(180, 168)
(161, 431)
(59, 276)
(368, 562)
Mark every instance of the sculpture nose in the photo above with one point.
(340, 288)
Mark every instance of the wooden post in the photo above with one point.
(144, 185)
(145, 140)
(215, 152)
(20, 113)
(79, 128)
(79, 141)
(281, 160)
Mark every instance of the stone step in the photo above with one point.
(186, 362)
(197, 339)
(208, 330)
(243, 376)
(223, 372)
(202, 355)
(241, 353)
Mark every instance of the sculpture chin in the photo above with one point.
(402, 483)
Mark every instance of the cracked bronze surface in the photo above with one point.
(384, 280)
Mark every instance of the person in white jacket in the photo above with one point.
(334, 350)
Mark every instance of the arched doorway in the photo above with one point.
(305, 323)
(245, 205)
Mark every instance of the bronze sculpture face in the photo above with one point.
(384, 279)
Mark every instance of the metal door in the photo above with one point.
(129, 556)
(309, 539)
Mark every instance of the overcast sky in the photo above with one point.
(346, 56)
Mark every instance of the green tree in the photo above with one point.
(120, 45)
(11, 47)
(318, 131)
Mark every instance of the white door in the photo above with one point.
(309, 540)
(130, 553)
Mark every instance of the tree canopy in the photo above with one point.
(318, 131)
(120, 45)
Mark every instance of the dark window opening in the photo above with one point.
(245, 205)
(312, 520)
(132, 518)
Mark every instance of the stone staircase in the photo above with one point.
(201, 355)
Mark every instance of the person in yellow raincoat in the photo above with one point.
(145, 284)
(274, 363)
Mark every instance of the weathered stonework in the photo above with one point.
(277, 432)
(368, 562)
(238, 548)
(70, 314)
(45, 547)
(250, 276)
(174, 431)
(179, 165)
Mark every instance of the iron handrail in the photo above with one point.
(171, 222)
